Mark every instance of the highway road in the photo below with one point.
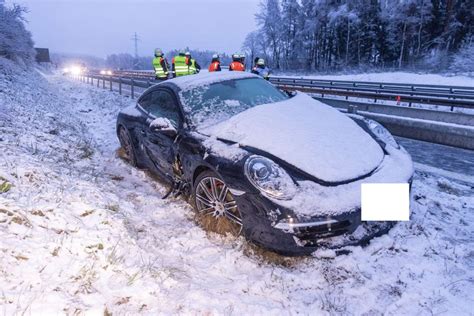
(445, 160)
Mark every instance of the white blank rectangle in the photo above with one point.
(385, 201)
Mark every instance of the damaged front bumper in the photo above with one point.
(285, 231)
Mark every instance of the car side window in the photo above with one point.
(145, 101)
(162, 104)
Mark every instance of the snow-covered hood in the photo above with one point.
(307, 134)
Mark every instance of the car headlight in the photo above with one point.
(76, 70)
(269, 178)
(381, 133)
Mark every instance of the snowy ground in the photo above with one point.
(82, 231)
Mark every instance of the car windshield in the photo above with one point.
(210, 104)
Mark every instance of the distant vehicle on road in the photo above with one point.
(75, 69)
(106, 72)
(282, 170)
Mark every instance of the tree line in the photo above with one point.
(340, 34)
(15, 41)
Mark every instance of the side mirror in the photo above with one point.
(164, 126)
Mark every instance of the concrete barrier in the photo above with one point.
(456, 135)
(441, 127)
(404, 111)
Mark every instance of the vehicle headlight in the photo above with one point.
(109, 72)
(381, 133)
(103, 72)
(76, 70)
(269, 178)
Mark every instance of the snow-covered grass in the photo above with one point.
(82, 231)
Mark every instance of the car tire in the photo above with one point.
(216, 209)
(126, 144)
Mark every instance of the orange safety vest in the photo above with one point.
(237, 66)
(214, 66)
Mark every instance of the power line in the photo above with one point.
(135, 39)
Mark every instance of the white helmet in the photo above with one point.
(215, 56)
(261, 62)
(158, 52)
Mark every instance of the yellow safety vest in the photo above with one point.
(159, 71)
(181, 68)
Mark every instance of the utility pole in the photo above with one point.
(135, 39)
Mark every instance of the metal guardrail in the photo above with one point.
(452, 96)
(449, 96)
(106, 81)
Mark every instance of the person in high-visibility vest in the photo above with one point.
(183, 65)
(215, 63)
(179, 66)
(236, 64)
(160, 64)
(193, 65)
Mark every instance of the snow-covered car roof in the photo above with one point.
(207, 78)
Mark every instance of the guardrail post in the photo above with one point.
(411, 94)
(133, 88)
(103, 82)
(110, 83)
(120, 85)
(352, 109)
(451, 92)
(92, 81)
(98, 79)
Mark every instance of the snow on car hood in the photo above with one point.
(307, 134)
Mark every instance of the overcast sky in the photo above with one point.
(103, 27)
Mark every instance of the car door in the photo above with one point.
(159, 146)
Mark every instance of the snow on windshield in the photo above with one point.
(214, 103)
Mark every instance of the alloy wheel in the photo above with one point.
(217, 208)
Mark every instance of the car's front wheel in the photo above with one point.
(217, 210)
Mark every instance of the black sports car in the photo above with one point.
(283, 170)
